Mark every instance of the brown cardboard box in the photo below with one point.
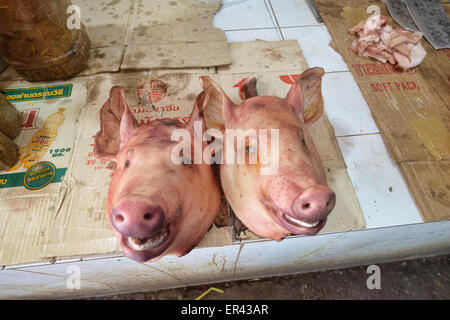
(410, 108)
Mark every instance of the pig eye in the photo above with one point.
(302, 137)
(130, 155)
(250, 149)
(184, 159)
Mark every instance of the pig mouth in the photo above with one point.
(297, 226)
(300, 223)
(291, 224)
(145, 249)
(142, 244)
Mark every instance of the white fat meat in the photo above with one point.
(385, 43)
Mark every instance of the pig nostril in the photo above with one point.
(147, 216)
(330, 201)
(305, 206)
(119, 218)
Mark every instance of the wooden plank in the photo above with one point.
(429, 182)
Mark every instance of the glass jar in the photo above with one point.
(36, 41)
(3, 65)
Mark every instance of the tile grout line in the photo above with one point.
(250, 29)
(237, 259)
(274, 16)
(275, 28)
(303, 26)
(359, 134)
(338, 71)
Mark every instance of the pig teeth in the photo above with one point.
(152, 242)
(301, 223)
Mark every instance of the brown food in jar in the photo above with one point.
(9, 152)
(10, 118)
(35, 39)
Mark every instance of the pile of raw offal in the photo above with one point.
(385, 43)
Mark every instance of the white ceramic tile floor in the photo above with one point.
(346, 108)
(244, 14)
(380, 188)
(314, 42)
(293, 13)
(379, 185)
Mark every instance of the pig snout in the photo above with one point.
(137, 219)
(314, 204)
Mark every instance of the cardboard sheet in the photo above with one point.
(175, 34)
(106, 21)
(432, 194)
(264, 56)
(395, 98)
(410, 108)
(36, 194)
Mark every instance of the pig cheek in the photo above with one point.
(279, 191)
(113, 193)
(110, 205)
(186, 236)
(316, 161)
(261, 218)
(111, 202)
(115, 186)
(244, 180)
(241, 186)
(186, 241)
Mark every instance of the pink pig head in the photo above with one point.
(155, 206)
(295, 199)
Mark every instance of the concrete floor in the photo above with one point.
(427, 278)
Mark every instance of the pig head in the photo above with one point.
(295, 199)
(155, 206)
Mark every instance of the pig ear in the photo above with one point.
(114, 115)
(248, 88)
(217, 108)
(128, 125)
(305, 96)
(196, 114)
